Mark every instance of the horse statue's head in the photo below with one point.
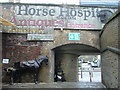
(44, 59)
(104, 15)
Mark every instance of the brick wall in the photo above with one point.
(109, 37)
(15, 47)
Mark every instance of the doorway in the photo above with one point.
(66, 60)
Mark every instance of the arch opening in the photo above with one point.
(66, 61)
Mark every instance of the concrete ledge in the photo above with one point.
(55, 85)
(112, 49)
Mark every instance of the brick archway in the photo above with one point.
(66, 56)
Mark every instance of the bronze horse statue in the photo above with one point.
(23, 66)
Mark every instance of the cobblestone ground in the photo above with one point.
(56, 85)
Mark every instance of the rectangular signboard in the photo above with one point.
(74, 36)
(110, 3)
(35, 17)
(5, 61)
(45, 37)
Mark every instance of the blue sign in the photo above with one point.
(74, 36)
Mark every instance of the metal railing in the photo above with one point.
(88, 70)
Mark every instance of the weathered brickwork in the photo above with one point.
(68, 65)
(110, 69)
(110, 60)
(119, 48)
(110, 34)
(119, 71)
(16, 48)
(86, 37)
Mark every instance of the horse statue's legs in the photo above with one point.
(18, 73)
(19, 76)
(36, 75)
(11, 78)
(11, 71)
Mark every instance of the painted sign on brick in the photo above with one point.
(46, 18)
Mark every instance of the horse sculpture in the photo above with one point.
(31, 65)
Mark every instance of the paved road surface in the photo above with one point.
(86, 70)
